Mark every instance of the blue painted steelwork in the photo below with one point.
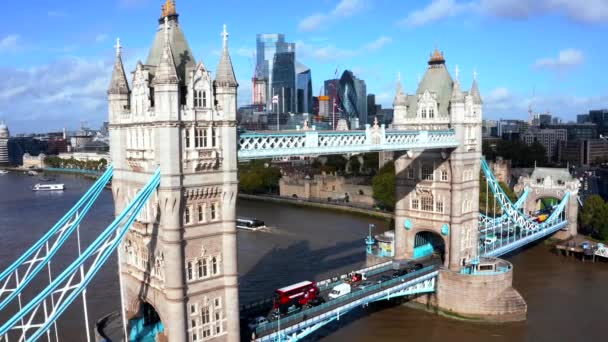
(142, 333)
(522, 225)
(489, 223)
(62, 230)
(100, 249)
(515, 215)
(256, 145)
(302, 324)
(423, 251)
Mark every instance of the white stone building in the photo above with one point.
(4, 136)
(178, 262)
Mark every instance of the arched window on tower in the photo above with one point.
(214, 268)
(431, 113)
(423, 113)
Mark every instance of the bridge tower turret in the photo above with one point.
(466, 114)
(178, 262)
(437, 190)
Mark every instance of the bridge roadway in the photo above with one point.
(504, 245)
(299, 321)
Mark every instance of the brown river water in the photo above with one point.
(567, 299)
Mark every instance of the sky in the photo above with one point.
(56, 57)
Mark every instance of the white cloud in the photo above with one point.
(588, 11)
(245, 52)
(436, 10)
(379, 43)
(347, 8)
(313, 22)
(330, 52)
(9, 43)
(566, 59)
(344, 9)
(100, 38)
(503, 103)
(47, 97)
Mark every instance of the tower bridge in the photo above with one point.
(173, 140)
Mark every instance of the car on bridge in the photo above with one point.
(364, 285)
(254, 323)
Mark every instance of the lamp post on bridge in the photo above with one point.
(369, 241)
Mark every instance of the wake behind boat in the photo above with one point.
(48, 187)
(249, 223)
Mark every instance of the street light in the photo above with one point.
(369, 241)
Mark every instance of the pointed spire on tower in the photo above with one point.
(400, 98)
(475, 89)
(166, 73)
(225, 71)
(118, 83)
(457, 95)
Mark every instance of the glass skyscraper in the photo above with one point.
(283, 82)
(352, 93)
(267, 46)
(304, 88)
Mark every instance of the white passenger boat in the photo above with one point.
(32, 173)
(3, 172)
(48, 187)
(249, 223)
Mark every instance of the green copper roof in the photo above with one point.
(182, 55)
(437, 80)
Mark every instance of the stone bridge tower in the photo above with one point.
(551, 183)
(178, 264)
(437, 190)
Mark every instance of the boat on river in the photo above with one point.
(250, 223)
(48, 187)
(3, 172)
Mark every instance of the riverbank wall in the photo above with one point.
(321, 205)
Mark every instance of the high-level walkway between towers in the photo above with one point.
(271, 144)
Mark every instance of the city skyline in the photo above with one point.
(50, 82)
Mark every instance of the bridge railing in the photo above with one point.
(317, 310)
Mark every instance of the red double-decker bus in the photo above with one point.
(297, 294)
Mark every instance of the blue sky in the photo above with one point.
(56, 56)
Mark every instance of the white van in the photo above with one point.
(490, 240)
(339, 291)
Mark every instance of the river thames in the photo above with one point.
(567, 299)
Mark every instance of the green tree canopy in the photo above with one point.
(594, 217)
(520, 154)
(383, 185)
(258, 177)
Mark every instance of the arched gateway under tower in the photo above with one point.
(178, 266)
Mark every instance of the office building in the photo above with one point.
(304, 89)
(4, 136)
(584, 131)
(582, 118)
(544, 119)
(283, 82)
(371, 107)
(583, 152)
(600, 118)
(549, 138)
(267, 46)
